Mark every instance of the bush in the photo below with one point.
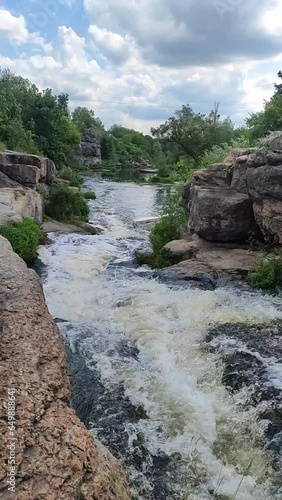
(89, 195)
(268, 273)
(64, 205)
(67, 174)
(24, 238)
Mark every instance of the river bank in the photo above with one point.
(149, 375)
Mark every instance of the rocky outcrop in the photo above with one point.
(240, 198)
(20, 176)
(19, 203)
(55, 456)
(90, 148)
(27, 170)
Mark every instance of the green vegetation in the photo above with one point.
(68, 174)
(89, 195)
(268, 274)
(65, 205)
(270, 119)
(24, 238)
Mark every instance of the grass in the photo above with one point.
(268, 273)
(64, 205)
(89, 195)
(24, 238)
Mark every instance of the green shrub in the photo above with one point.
(3, 146)
(64, 205)
(67, 174)
(89, 195)
(24, 238)
(268, 273)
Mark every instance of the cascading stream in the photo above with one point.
(139, 348)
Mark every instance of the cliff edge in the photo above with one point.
(55, 456)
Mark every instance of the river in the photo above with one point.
(147, 360)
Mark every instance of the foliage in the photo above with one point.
(67, 174)
(217, 154)
(24, 238)
(270, 119)
(65, 205)
(192, 133)
(84, 118)
(169, 227)
(35, 122)
(268, 273)
(89, 195)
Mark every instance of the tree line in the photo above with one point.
(40, 122)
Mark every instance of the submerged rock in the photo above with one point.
(56, 457)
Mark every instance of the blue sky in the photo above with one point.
(135, 62)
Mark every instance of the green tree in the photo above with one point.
(270, 119)
(192, 133)
(84, 118)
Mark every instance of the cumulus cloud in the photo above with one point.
(138, 61)
(177, 33)
(15, 30)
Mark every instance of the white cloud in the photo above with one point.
(112, 45)
(15, 30)
(271, 19)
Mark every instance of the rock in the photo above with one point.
(239, 179)
(237, 153)
(184, 200)
(232, 261)
(5, 181)
(218, 214)
(274, 142)
(268, 215)
(26, 169)
(192, 270)
(274, 158)
(53, 226)
(56, 457)
(265, 182)
(19, 203)
(219, 174)
(181, 249)
(90, 148)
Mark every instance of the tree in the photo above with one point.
(270, 119)
(192, 133)
(84, 118)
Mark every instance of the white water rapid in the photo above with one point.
(145, 340)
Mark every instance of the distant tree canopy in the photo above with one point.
(192, 133)
(270, 119)
(40, 122)
(33, 121)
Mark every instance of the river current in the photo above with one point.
(146, 373)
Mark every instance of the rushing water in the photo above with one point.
(146, 377)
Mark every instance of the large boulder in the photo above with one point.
(268, 215)
(18, 203)
(265, 182)
(56, 457)
(219, 214)
(28, 170)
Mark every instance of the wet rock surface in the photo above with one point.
(56, 457)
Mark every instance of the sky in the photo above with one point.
(134, 62)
